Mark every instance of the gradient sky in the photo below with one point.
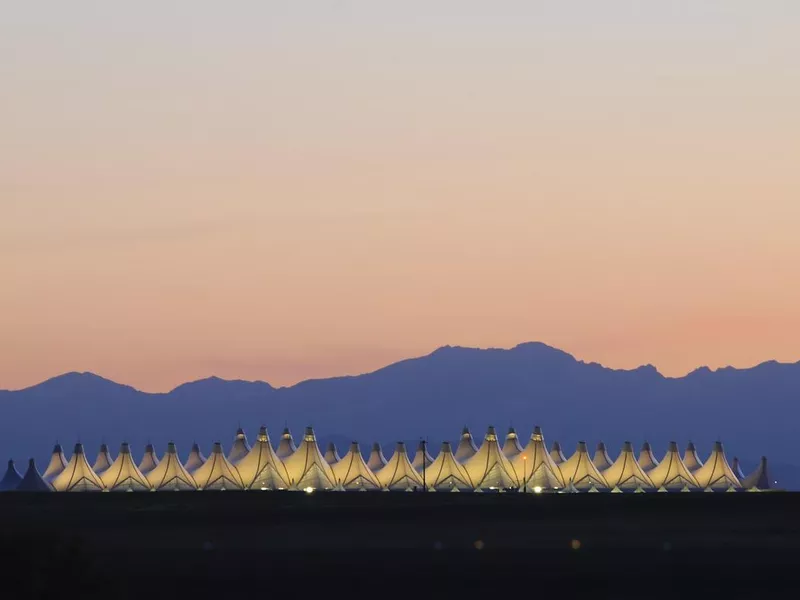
(283, 190)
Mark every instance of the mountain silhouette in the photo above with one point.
(753, 411)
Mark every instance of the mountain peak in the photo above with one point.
(216, 383)
(77, 380)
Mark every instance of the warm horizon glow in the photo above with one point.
(283, 192)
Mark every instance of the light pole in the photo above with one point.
(424, 455)
(524, 474)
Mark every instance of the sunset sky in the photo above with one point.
(285, 190)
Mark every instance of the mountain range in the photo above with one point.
(753, 411)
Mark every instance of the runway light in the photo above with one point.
(263, 489)
(309, 490)
(537, 489)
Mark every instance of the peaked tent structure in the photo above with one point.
(170, 474)
(332, 454)
(446, 474)
(240, 447)
(489, 469)
(626, 473)
(758, 479)
(123, 475)
(557, 455)
(11, 479)
(691, 459)
(78, 476)
(376, 460)
(261, 469)
(646, 458)
(307, 468)
(466, 448)
(149, 460)
(286, 446)
(58, 463)
(580, 470)
(352, 473)
(737, 469)
(601, 459)
(716, 473)
(511, 447)
(103, 460)
(535, 467)
(399, 474)
(33, 481)
(218, 474)
(672, 474)
(422, 458)
(196, 459)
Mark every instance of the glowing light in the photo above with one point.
(309, 490)
(263, 489)
(537, 489)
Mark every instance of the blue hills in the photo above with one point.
(753, 411)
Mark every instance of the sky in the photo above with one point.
(287, 190)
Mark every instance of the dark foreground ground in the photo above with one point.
(252, 544)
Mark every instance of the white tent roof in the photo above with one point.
(103, 460)
(78, 476)
(332, 454)
(240, 447)
(261, 469)
(672, 473)
(737, 469)
(601, 459)
(307, 468)
(626, 473)
(11, 479)
(646, 458)
(123, 475)
(466, 448)
(57, 463)
(217, 473)
(446, 474)
(286, 445)
(557, 455)
(149, 460)
(352, 473)
(716, 473)
(691, 459)
(170, 474)
(758, 479)
(535, 465)
(511, 447)
(33, 481)
(399, 474)
(196, 459)
(570, 489)
(422, 457)
(489, 468)
(376, 460)
(580, 470)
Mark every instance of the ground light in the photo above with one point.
(309, 490)
(537, 489)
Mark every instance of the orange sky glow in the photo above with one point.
(281, 192)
